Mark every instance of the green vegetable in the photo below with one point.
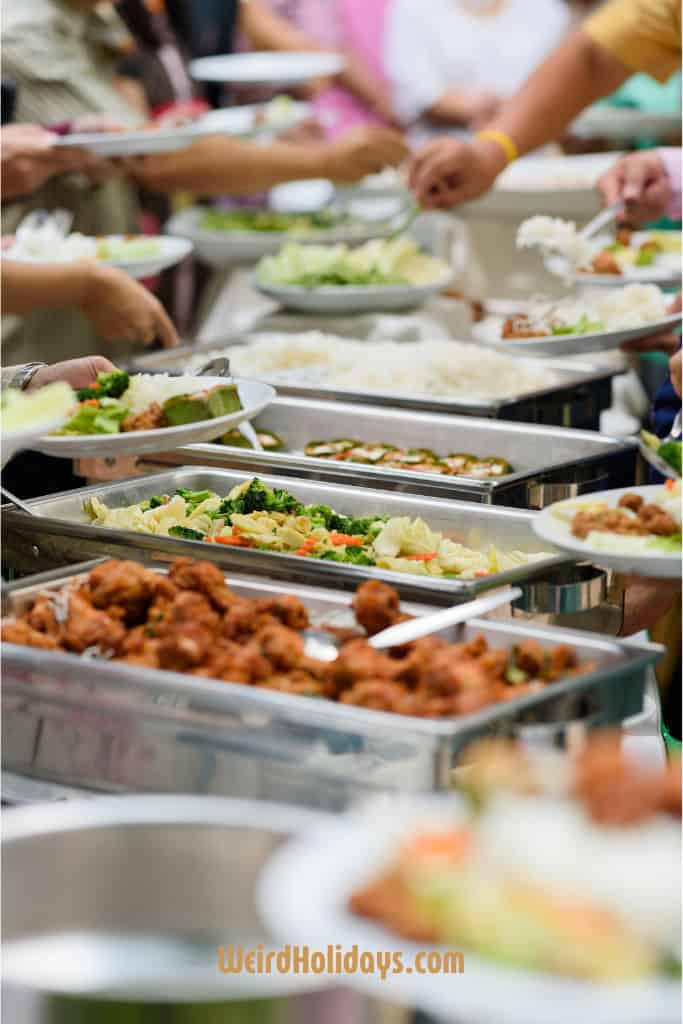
(193, 498)
(269, 220)
(185, 533)
(218, 401)
(259, 498)
(154, 502)
(106, 418)
(355, 527)
(670, 451)
(582, 326)
(269, 442)
(352, 555)
(645, 257)
(109, 385)
(515, 675)
(671, 544)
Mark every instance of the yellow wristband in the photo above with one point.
(508, 146)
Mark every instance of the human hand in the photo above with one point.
(364, 151)
(29, 159)
(446, 172)
(641, 181)
(667, 342)
(79, 373)
(121, 309)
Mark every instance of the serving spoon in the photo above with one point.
(602, 219)
(322, 646)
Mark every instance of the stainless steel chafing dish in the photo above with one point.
(549, 463)
(576, 398)
(64, 536)
(107, 726)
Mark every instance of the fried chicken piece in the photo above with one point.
(283, 648)
(358, 661)
(43, 615)
(343, 634)
(562, 660)
(657, 521)
(248, 665)
(240, 621)
(390, 901)
(206, 578)
(140, 649)
(477, 646)
(378, 694)
(287, 608)
(494, 662)
(18, 631)
(520, 326)
(633, 501)
(452, 671)
(624, 236)
(376, 606)
(187, 646)
(87, 627)
(297, 682)
(151, 418)
(605, 263)
(411, 669)
(122, 584)
(529, 656)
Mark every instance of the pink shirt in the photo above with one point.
(671, 158)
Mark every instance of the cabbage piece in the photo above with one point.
(403, 536)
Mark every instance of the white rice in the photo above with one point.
(443, 368)
(146, 388)
(556, 235)
(632, 306)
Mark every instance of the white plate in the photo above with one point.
(171, 251)
(243, 121)
(142, 143)
(666, 272)
(304, 890)
(255, 397)
(23, 440)
(347, 299)
(229, 248)
(558, 186)
(555, 530)
(488, 333)
(624, 124)
(266, 67)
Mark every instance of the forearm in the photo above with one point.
(219, 165)
(577, 74)
(27, 287)
(266, 30)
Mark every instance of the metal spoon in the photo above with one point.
(21, 505)
(323, 647)
(218, 367)
(602, 219)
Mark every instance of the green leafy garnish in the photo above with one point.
(672, 543)
(186, 533)
(104, 418)
(193, 498)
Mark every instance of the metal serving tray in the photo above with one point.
(576, 399)
(61, 536)
(115, 727)
(550, 463)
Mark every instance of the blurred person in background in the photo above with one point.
(63, 56)
(457, 63)
(620, 38)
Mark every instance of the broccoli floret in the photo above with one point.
(193, 498)
(154, 502)
(319, 515)
(109, 385)
(670, 451)
(355, 527)
(352, 555)
(185, 533)
(283, 501)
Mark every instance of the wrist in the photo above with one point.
(492, 156)
(90, 275)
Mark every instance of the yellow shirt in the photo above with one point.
(645, 35)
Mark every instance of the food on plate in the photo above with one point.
(390, 262)
(419, 460)
(543, 880)
(669, 450)
(269, 442)
(20, 411)
(451, 369)
(190, 621)
(633, 525)
(628, 252)
(47, 243)
(118, 403)
(270, 221)
(255, 516)
(632, 306)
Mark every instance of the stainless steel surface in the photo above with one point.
(549, 463)
(576, 398)
(571, 589)
(116, 727)
(219, 367)
(131, 897)
(17, 502)
(66, 537)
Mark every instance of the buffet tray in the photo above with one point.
(550, 463)
(107, 726)
(61, 536)
(576, 398)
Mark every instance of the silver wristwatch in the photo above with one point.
(24, 375)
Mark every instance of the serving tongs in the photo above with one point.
(322, 645)
(17, 502)
(651, 455)
(602, 219)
